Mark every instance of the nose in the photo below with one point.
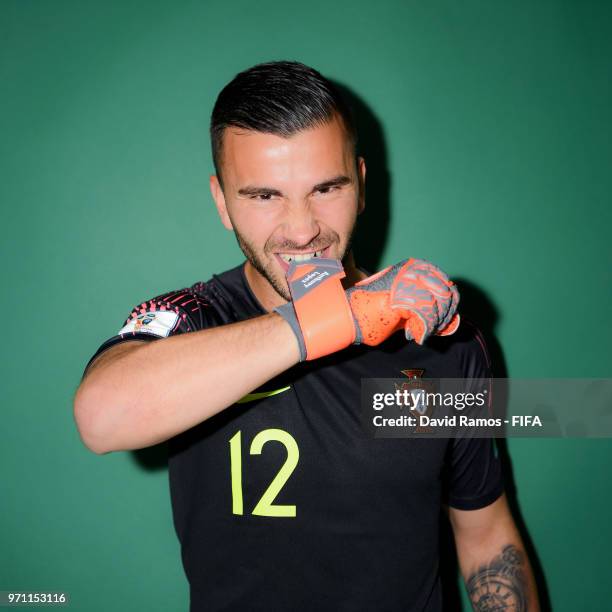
(301, 227)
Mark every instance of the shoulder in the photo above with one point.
(167, 314)
(179, 310)
(467, 347)
(202, 305)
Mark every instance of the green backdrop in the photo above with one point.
(487, 130)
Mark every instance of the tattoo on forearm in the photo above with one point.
(500, 585)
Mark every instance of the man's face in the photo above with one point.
(289, 198)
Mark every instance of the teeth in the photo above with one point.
(300, 257)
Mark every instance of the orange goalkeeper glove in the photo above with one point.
(413, 295)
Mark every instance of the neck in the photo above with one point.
(270, 299)
(353, 274)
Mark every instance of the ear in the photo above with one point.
(219, 198)
(361, 174)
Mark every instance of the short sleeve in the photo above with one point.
(473, 476)
(168, 314)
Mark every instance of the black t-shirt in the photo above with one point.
(283, 501)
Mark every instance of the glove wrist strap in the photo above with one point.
(321, 307)
(287, 311)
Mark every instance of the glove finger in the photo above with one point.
(451, 308)
(420, 280)
(451, 328)
(432, 277)
(408, 292)
(408, 333)
(415, 326)
(410, 295)
(441, 287)
(441, 297)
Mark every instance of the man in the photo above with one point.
(280, 499)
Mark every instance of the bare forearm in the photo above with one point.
(165, 387)
(498, 575)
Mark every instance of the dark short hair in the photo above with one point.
(280, 98)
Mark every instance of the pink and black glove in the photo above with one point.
(413, 295)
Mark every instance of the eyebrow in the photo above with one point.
(337, 181)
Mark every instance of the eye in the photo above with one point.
(262, 197)
(326, 190)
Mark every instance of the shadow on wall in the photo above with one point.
(369, 241)
(372, 228)
(476, 306)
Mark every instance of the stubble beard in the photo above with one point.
(258, 263)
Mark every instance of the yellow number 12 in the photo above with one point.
(264, 507)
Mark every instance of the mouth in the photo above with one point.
(285, 259)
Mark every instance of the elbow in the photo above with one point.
(86, 416)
